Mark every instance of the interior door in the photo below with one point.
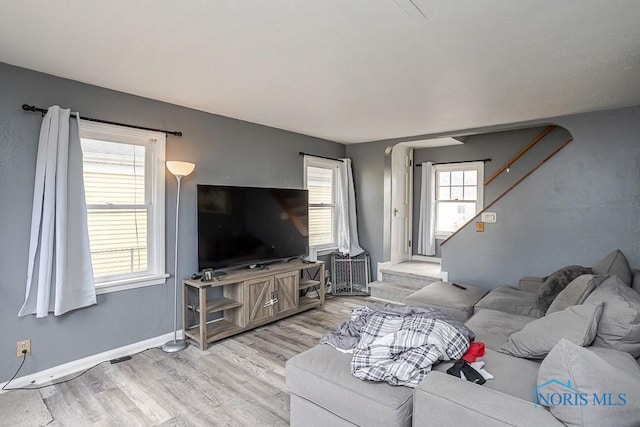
(401, 203)
(258, 292)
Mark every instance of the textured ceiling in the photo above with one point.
(348, 71)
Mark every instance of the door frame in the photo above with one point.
(396, 199)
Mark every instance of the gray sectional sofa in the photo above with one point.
(581, 349)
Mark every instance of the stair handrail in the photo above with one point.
(514, 185)
(520, 153)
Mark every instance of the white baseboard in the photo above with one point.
(425, 258)
(381, 266)
(52, 374)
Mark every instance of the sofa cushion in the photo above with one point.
(590, 378)
(322, 375)
(455, 302)
(510, 300)
(556, 282)
(615, 264)
(445, 400)
(577, 324)
(576, 292)
(511, 375)
(530, 283)
(494, 327)
(619, 326)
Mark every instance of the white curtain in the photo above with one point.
(59, 276)
(346, 211)
(426, 223)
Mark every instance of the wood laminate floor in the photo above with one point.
(239, 381)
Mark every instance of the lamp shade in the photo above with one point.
(180, 168)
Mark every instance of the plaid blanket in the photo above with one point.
(399, 344)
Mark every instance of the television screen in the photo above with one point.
(250, 225)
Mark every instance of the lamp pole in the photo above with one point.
(180, 170)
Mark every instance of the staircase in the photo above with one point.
(401, 280)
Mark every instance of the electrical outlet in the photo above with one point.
(22, 346)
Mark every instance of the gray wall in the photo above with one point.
(225, 151)
(368, 162)
(497, 146)
(582, 204)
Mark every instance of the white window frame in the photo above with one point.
(310, 161)
(154, 197)
(478, 166)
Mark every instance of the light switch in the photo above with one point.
(488, 217)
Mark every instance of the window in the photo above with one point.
(321, 180)
(124, 191)
(458, 195)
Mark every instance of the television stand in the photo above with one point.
(245, 299)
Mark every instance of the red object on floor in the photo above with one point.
(476, 349)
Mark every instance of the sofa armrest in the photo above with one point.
(530, 284)
(443, 399)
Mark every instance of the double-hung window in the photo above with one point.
(124, 191)
(459, 195)
(320, 179)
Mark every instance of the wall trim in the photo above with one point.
(425, 258)
(51, 374)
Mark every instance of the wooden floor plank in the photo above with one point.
(239, 381)
(140, 395)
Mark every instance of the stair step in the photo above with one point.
(394, 292)
(409, 279)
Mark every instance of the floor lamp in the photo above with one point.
(180, 170)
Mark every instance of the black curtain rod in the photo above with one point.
(27, 107)
(418, 165)
(320, 157)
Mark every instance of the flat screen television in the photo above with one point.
(240, 226)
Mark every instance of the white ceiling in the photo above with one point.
(348, 71)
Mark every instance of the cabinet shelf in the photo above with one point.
(306, 303)
(309, 284)
(215, 331)
(220, 304)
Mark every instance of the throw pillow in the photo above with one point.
(556, 282)
(619, 326)
(576, 292)
(615, 264)
(589, 386)
(578, 324)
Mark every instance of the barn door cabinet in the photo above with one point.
(272, 296)
(245, 299)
